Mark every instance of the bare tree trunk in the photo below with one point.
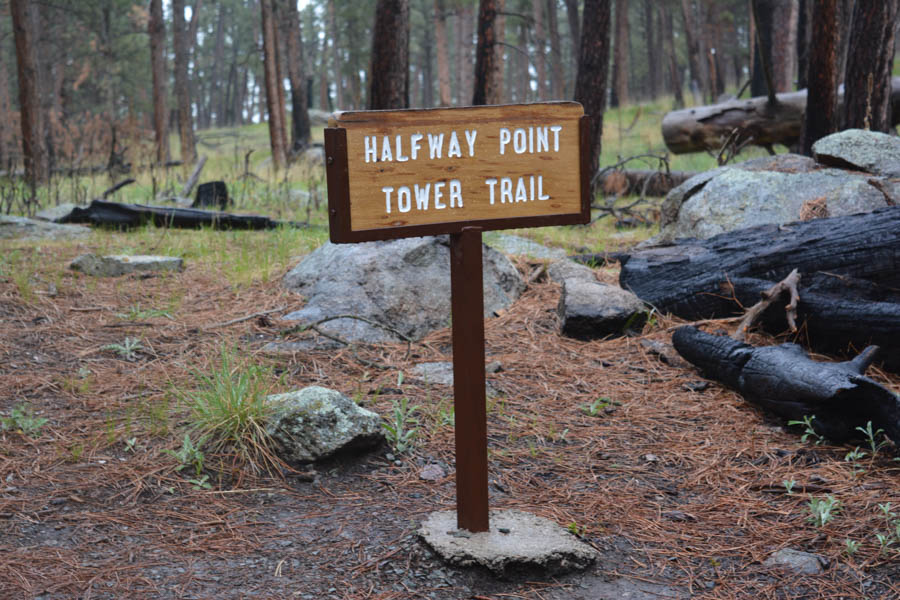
(36, 167)
(278, 45)
(620, 55)
(498, 94)
(784, 44)
(870, 59)
(540, 44)
(299, 110)
(443, 63)
(427, 70)
(674, 72)
(486, 54)
(691, 34)
(593, 63)
(157, 31)
(217, 100)
(574, 28)
(653, 52)
(389, 85)
(324, 93)
(270, 67)
(557, 85)
(467, 56)
(182, 84)
(5, 116)
(804, 43)
(821, 116)
(336, 59)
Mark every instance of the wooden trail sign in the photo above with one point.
(459, 171)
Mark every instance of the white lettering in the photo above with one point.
(422, 196)
(371, 143)
(400, 157)
(506, 190)
(542, 139)
(386, 150)
(453, 148)
(531, 139)
(387, 198)
(541, 195)
(531, 182)
(519, 140)
(415, 143)
(401, 193)
(455, 193)
(438, 194)
(470, 139)
(504, 139)
(555, 129)
(491, 183)
(435, 145)
(521, 195)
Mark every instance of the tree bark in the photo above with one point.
(574, 29)
(784, 44)
(653, 51)
(157, 31)
(217, 100)
(485, 86)
(763, 41)
(33, 149)
(674, 71)
(620, 56)
(300, 129)
(443, 62)
(705, 128)
(336, 58)
(270, 68)
(692, 39)
(557, 79)
(870, 59)
(182, 84)
(593, 64)
(540, 47)
(5, 116)
(821, 116)
(389, 84)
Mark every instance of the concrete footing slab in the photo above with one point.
(517, 541)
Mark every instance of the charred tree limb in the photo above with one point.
(784, 380)
(788, 284)
(705, 128)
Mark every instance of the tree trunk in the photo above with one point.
(389, 84)
(653, 52)
(593, 64)
(182, 84)
(763, 40)
(443, 62)
(620, 56)
(33, 149)
(821, 116)
(485, 86)
(804, 41)
(217, 100)
(336, 58)
(870, 59)
(157, 31)
(574, 29)
(674, 71)
(705, 128)
(270, 67)
(427, 69)
(692, 40)
(540, 47)
(497, 95)
(324, 93)
(5, 115)
(557, 79)
(784, 44)
(300, 131)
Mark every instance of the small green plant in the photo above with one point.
(885, 541)
(446, 414)
(75, 452)
(853, 457)
(850, 547)
(809, 432)
(21, 418)
(201, 482)
(131, 444)
(136, 313)
(822, 510)
(575, 529)
(789, 486)
(189, 455)
(126, 349)
(872, 438)
(402, 427)
(597, 407)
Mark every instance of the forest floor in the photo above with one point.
(681, 491)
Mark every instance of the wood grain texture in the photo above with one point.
(554, 168)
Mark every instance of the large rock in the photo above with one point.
(315, 423)
(116, 266)
(58, 213)
(32, 229)
(590, 310)
(401, 283)
(870, 151)
(517, 245)
(770, 190)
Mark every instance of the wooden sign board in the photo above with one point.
(405, 173)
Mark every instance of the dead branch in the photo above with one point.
(788, 284)
(261, 313)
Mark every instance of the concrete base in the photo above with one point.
(517, 541)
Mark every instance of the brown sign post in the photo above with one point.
(459, 171)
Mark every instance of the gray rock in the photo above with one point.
(115, 266)
(516, 541)
(32, 229)
(401, 283)
(514, 244)
(617, 588)
(56, 214)
(591, 310)
(870, 151)
(736, 198)
(802, 563)
(561, 270)
(316, 422)
(441, 373)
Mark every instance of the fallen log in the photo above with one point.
(784, 380)
(850, 285)
(114, 214)
(705, 128)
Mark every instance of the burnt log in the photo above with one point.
(705, 128)
(784, 380)
(850, 278)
